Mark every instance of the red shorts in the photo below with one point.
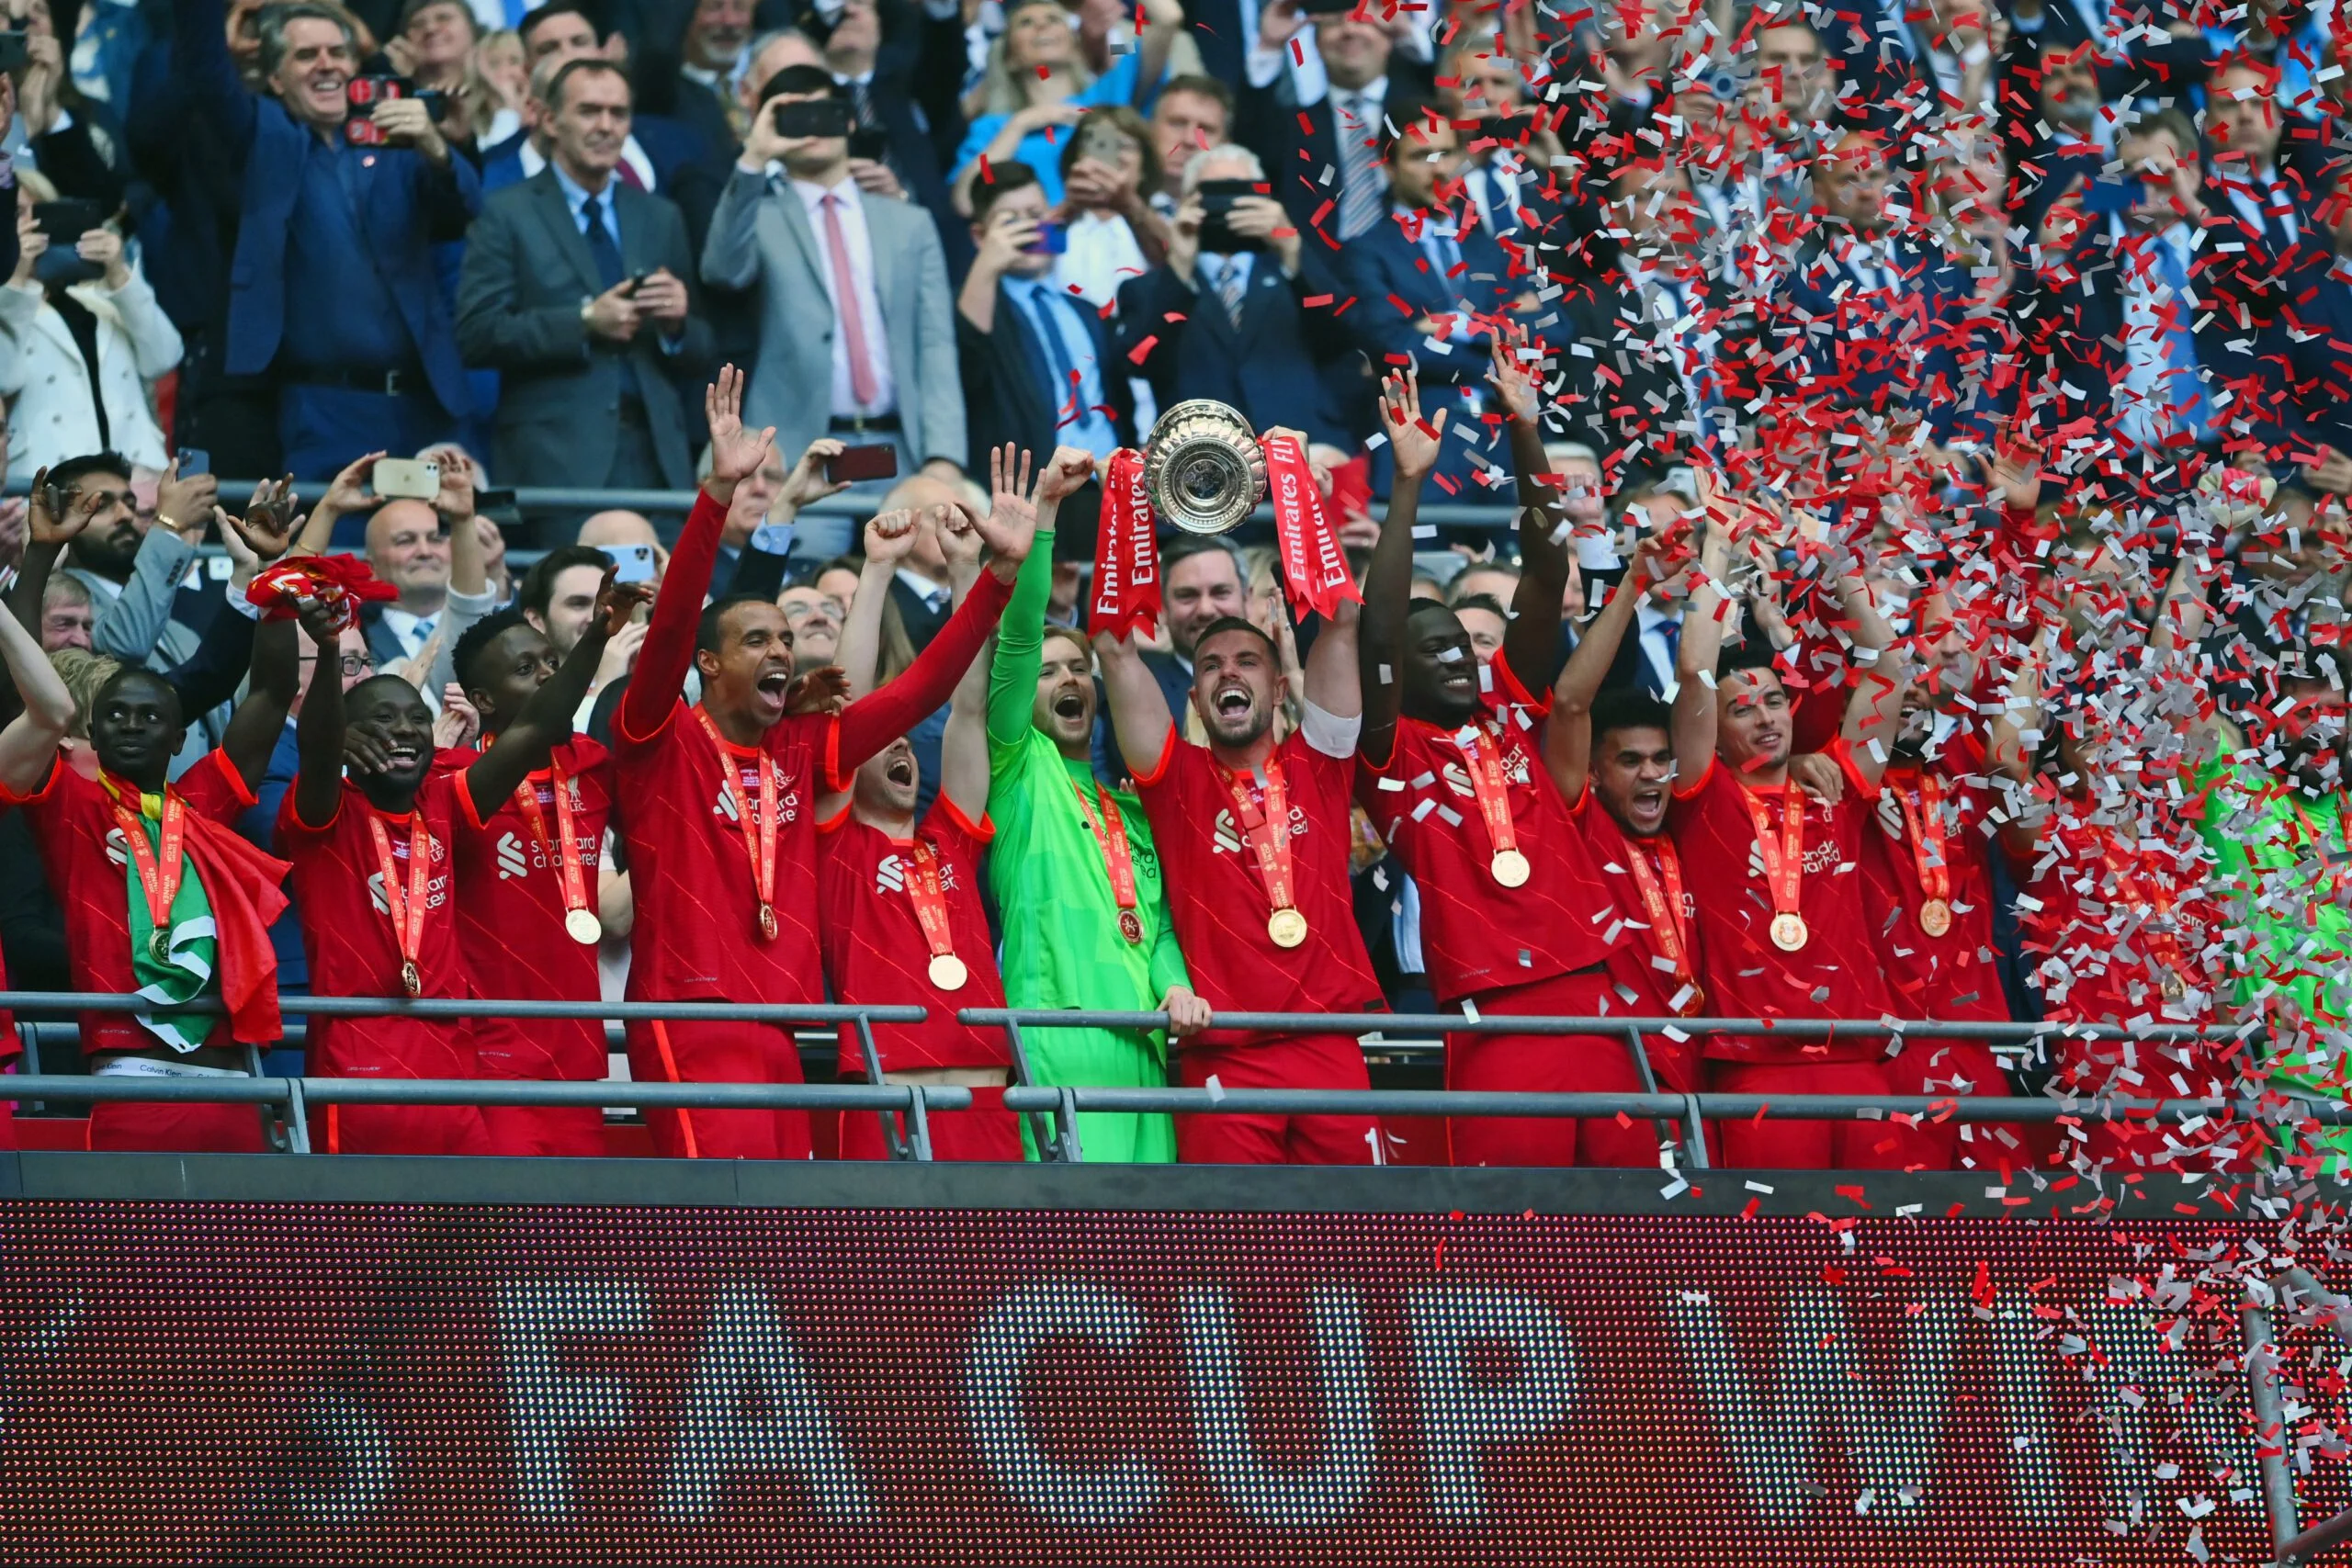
(986, 1131)
(1948, 1069)
(1748, 1143)
(1549, 1064)
(574, 1131)
(399, 1130)
(1294, 1061)
(694, 1051)
(128, 1125)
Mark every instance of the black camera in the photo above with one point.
(1217, 197)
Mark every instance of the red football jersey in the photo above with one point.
(876, 951)
(1638, 969)
(1218, 899)
(2116, 931)
(347, 932)
(510, 910)
(87, 864)
(1835, 974)
(1477, 934)
(1950, 976)
(696, 933)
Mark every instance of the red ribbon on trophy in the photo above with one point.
(1313, 563)
(1127, 556)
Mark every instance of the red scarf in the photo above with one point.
(244, 886)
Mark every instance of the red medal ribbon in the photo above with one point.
(159, 875)
(1313, 563)
(1485, 769)
(928, 891)
(1923, 820)
(406, 906)
(1127, 553)
(1664, 905)
(759, 836)
(1783, 859)
(1111, 836)
(565, 847)
(1267, 832)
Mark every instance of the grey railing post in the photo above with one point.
(1664, 1126)
(891, 1141)
(1697, 1122)
(918, 1124)
(2269, 1421)
(1049, 1147)
(298, 1118)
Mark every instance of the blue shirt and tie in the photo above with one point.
(600, 226)
(1070, 359)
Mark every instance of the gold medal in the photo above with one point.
(767, 923)
(948, 972)
(1934, 917)
(1695, 1004)
(2173, 986)
(159, 945)
(582, 927)
(1287, 927)
(1509, 867)
(410, 981)
(1789, 931)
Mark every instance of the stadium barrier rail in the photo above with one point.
(1052, 1109)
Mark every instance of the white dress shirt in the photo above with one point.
(412, 629)
(532, 160)
(860, 246)
(1103, 254)
(2148, 412)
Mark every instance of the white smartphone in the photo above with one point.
(406, 478)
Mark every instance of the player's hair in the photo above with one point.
(1225, 623)
(368, 684)
(536, 591)
(1485, 602)
(707, 629)
(1414, 119)
(1629, 707)
(476, 641)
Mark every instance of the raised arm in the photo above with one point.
(1531, 640)
(873, 722)
(1874, 707)
(546, 720)
(346, 494)
(1139, 718)
(1021, 635)
(1700, 647)
(1568, 734)
(28, 744)
(889, 538)
(964, 750)
(736, 454)
(1389, 581)
(319, 732)
(46, 533)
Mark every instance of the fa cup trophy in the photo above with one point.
(1202, 466)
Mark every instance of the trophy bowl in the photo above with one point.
(1202, 466)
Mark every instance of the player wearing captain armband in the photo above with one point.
(903, 918)
(1514, 916)
(1783, 930)
(718, 807)
(159, 895)
(1256, 835)
(1075, 866)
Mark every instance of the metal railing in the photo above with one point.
(1052, 1109)
(557, 500)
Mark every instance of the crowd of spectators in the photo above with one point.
(1938, 416)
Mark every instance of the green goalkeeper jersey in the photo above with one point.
(1063, 943)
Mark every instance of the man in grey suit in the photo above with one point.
(574, 291)
(858, 335)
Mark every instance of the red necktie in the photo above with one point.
(861, 369)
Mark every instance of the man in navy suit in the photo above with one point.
(333, 290)
(1227, 316)
(1428, 282)
(2312, 338)
(1325, 155)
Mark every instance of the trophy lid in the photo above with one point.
(1202, 466)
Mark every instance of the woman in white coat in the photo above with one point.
(78, 347)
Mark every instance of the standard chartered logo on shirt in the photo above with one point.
(511, 861)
